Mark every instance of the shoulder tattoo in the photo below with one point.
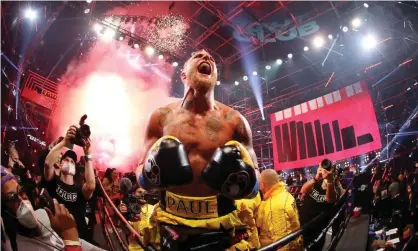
(163, 112)
(230, 115)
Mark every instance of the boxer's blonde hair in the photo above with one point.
(191, 56)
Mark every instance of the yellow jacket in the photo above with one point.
(277, 217)
(141, 227)
(247, 209)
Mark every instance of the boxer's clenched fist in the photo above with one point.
(166, 165)
(232, 172)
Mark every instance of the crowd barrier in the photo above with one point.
(132, 231)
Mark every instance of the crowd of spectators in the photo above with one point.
(275, 212)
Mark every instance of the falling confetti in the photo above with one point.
(167, 32)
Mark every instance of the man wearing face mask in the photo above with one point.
(63, 187)
(28, 229)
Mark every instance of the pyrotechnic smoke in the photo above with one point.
(118, 90)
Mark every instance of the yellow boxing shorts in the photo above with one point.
(204, 212)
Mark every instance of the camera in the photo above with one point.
(83, 132)
(133, 205)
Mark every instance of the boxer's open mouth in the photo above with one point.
(204, 68)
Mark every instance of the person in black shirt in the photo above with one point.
(318, 195)
(63, 187)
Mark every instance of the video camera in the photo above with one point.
(83, 132)
(133, 203)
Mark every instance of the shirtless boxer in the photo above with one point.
(199, 154)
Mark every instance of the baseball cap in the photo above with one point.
(71, 154)
(326, 164)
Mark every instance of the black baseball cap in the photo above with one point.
(71, 154)
(326, 164)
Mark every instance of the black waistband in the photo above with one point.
(225, 205)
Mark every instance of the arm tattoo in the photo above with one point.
(241, 132)
(164, 112)
(212, 128)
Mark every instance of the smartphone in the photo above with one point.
(49, 203)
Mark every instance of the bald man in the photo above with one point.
(277, 215)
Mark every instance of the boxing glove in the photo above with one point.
(231, 172)
(166, 165)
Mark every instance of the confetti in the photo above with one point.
(168, 32)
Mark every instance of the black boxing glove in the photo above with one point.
(231, 172)
(166, 165)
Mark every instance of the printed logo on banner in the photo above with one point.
(338, 125)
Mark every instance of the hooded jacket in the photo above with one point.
(277, 217)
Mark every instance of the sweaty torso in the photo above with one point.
(200, 134)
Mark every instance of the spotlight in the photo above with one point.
(279, 61)
(97, 27)
(356, 22)
(345, 28)
(160, 56)
(366, 5)
(109, 34)
(86, 11)
(318, 41)
(121, 38)
(236, 83)
(255, 73)
(369, 42)
(290, 55)
(306, 48)
(175, 64)
(268, 67)
(136, 46)
(218, 82)
(30, 14)
(88, 1)
(149, 50)
(245, 78)
(330, 36)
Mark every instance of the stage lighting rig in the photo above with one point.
(268, 67)
(97, 27)
(369, 42)
(318, 41)
(245, 78)
(149, 50)
(356, 22)
(109, 34)
(279, 61)
(290, 55)
(30, 14)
